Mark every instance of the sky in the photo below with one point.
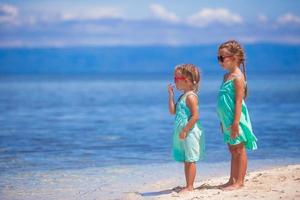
(35, 23)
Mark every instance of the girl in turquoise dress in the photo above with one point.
(233, 112)
(188, 137)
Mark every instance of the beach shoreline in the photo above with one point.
(151, 182)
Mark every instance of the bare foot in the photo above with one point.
(234, 186)
(186, 189)
(229, 183)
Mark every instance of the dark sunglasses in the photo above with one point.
(222, 58)
(178, 78)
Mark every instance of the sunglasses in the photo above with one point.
(222, 58)
(178, 78)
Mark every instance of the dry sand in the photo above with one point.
(277, 183)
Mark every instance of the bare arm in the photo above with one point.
(172, 108)
(192, 103)
(239, 95)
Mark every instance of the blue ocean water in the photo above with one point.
(74, 122)
(82, 107)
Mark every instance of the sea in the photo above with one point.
(53, 118)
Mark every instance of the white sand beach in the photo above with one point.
(152, 182)
(277, 183)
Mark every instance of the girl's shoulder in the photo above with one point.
(239, 82)
(239, 78)
(234, 77)
(191, 97)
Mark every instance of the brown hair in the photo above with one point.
(236, 50)
(191, 72)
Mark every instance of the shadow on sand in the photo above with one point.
(177, 189)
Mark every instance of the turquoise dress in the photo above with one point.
(226, 109)
(191, 149)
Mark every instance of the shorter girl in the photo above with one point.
(233, 112)
(188, 138)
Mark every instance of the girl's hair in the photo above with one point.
(191, 72)
(236, 50)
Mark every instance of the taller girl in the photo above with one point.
(233, 113)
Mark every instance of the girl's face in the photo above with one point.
(180, 80)
(225, 59)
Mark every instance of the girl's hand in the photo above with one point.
(171, 89)
(234, 128)
(182, 135)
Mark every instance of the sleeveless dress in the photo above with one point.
(226, 109)
(191, 149)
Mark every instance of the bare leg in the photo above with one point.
(190, 174)
(241, 164)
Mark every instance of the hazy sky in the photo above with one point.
(138, 9)
(144, 22)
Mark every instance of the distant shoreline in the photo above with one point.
(140, 59)
(136, 76)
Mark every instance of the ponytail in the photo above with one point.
(244, 72)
